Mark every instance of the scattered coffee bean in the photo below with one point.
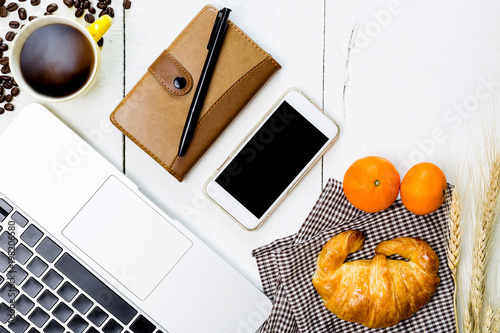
(108, 2)
(79, 12)
(8, 98)
(11, 7)
(111, 11)
(89, 18)
(1, 90)
(14, 83)
(2, 2)
(5, 77)
(1, 40)
(68, 3)
(35, 2)
(21, 0)
(100, 43)
(4, 61)
(9, 107)
(31, 18)
(22, 14)
(77, 3)
(9, 36)
(5, 69)
(15, 91)
(101, 5)
(2, 110)
(6, 85)
(52, 7)
(3, 11)
(2, 98)
(14, 24)
(92, 10)
(103, 12)
(86, 4)
(4, 47)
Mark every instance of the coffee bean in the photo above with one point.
(4, 61)
(2, 111)
(9, 107)
(79, 12)
(2, 2)
(15, 91)
(4, 47)
(101, 5)
(92, 10)
(21, 0)
(14, 83)
(3, 12)
(5, 69)
(31, 18)
(6, 85)
(89, 18)
(1, 90)
(111, 12)
(47, 14)
(103, 12)
(14, 24)
(11, 7)
(9, 36)
(35, 2)
(102, 0)
(52, 7)
(100, 43)
(5, 78)
(8, 98)
(86, 4)
(108, 2)
(68, 3)
(22, 14)
(1, 40)
(2, 98)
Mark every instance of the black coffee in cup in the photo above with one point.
(57, 60)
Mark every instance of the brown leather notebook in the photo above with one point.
(154, 112)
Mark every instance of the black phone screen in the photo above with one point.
(271, 160)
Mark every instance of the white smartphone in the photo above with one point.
(270, 161)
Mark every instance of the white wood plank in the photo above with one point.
(407, 75)
(292, 31)
(87, 114)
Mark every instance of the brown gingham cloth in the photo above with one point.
(287, 265)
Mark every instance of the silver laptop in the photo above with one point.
(92, 254)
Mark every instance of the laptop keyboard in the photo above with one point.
(51, 291)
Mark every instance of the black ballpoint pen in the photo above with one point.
(214, 47)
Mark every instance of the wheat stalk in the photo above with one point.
(467, 320)
(488, 320)
(496, 321)
(455, 233)
(454, 238)
(485, 224)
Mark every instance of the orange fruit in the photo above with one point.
(423, 188)
(371, 184)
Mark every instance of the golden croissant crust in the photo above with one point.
(379, 292)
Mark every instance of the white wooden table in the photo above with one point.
(400, 77)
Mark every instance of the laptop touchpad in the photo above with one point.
(127, 237)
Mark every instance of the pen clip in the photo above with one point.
(214, 31)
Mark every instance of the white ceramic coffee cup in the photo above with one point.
(92, 33)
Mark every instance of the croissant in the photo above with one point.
(379, 292)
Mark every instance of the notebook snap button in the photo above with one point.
(180, 82)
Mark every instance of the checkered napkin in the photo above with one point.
(287, 265)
